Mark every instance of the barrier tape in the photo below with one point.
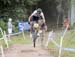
(14, 34)
(56, 44)
(67, 49)
(17, 34)
(4, 37)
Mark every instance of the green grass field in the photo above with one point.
(68, 42)
(18, 39)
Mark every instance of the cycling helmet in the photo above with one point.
(39, 10)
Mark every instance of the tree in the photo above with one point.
(15, 9)
(16, 6)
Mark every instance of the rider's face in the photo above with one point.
(38, 13)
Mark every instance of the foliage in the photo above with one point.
(18, 10)
(18, 39)
(3, 25)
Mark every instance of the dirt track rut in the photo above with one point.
(20, 50)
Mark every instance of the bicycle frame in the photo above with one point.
(34, 33)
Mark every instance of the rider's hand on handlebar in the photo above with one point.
(28, 22)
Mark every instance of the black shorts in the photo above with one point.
(35, 18)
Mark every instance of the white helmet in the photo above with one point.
(10, 19)
(39, 10)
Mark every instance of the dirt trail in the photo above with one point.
(20, 50)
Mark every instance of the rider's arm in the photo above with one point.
(29, 18)
(32, 15)
(44, 21)
(43, 16)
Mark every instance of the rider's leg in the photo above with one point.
(44, 26)
(38, 34)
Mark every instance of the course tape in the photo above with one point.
(11, 35)
(67, 49)
(57, 45)
(14, 34)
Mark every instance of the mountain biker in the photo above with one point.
(35, 16)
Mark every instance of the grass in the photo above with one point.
(18, 39)
(68, 42)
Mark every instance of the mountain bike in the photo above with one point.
(35, 32)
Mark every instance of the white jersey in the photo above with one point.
(40, 14)
(9, 25)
